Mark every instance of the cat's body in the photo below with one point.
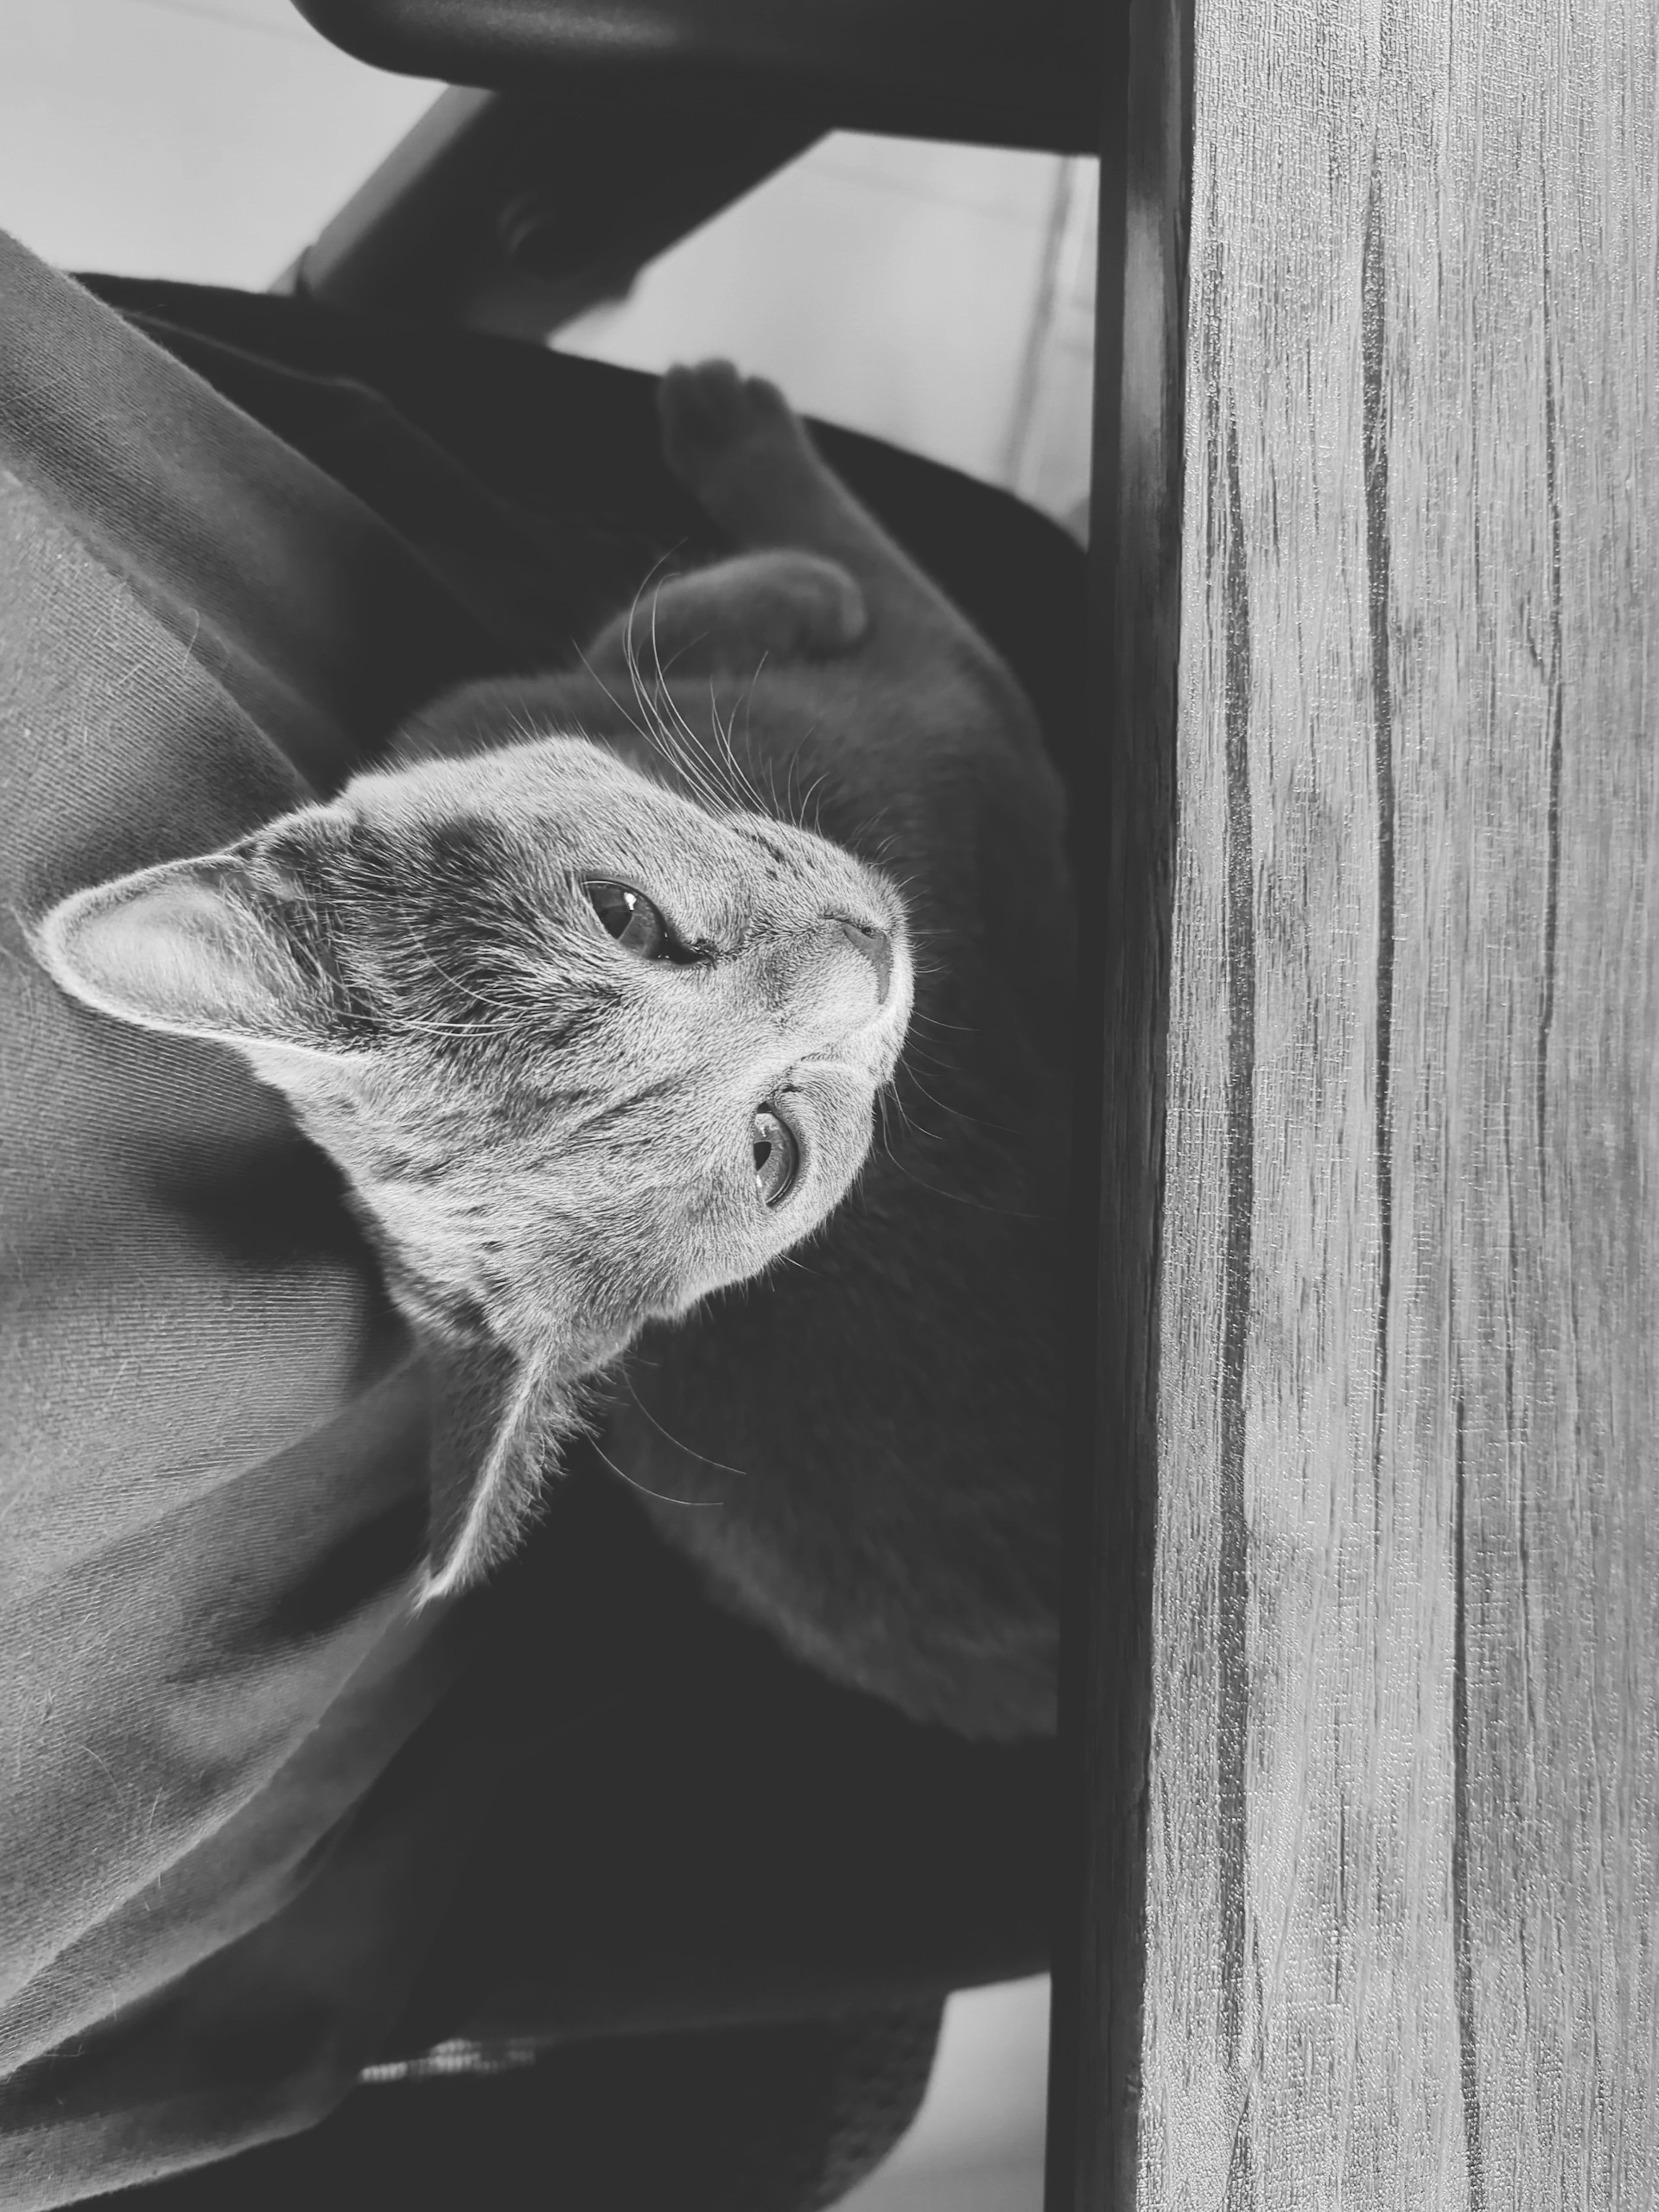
(861, 1442)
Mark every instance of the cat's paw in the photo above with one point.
(712, 419)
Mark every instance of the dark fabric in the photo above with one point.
(785, 2119)
(260, 1829)
(213, 1440)
(696, 1832)
(569, 449)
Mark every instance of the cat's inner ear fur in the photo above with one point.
(204, 948)
(495, 1424)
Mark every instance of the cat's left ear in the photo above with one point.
(214, 948)
(493, 1431)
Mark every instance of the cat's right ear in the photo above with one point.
(203, 948)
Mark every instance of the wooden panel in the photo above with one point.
(1405, 1791)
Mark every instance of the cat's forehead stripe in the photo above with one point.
(772, 846)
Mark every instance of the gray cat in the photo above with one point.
(597, 991)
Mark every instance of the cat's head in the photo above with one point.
(585, 1049)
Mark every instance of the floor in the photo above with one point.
(938, 296)
(977, 2142)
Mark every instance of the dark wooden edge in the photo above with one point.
(1128, 798)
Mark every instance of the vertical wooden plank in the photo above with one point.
(1552, 1309)
(1405, 1790)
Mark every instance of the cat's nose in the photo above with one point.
(877, 947)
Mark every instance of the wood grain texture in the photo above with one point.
(1404, 1815)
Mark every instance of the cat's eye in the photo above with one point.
(631, 919)
(777, 1155)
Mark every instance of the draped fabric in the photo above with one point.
(260, 1828)
(214, 1435)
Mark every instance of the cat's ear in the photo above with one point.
(493, 1429)
(204, 948)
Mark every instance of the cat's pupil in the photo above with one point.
(777, 1156)
(630, 918)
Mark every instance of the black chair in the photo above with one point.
(597, 136)
(721, 1902)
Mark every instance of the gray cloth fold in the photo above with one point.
(221, 1817)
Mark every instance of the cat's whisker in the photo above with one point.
(864, 837)
(678, 1443)
(717, 797)
(926, 968)
(631, 661)
(913, 1126)
(890, 1096)
(811, 792)
(903, 883)
(700, 637)
(724, 751)
(633, 606)
(961, 1113)
(888, 1100)
(946, 1060)
(930, 1049)
(919, 1051)
(644, 1488)
(744, 798)
(800, 811)
(652, 729)
(727, 776)
(669, 706)
(909, 1076)
(636, 727)
(666, 739)
(960, 1198)
(751, 795)
(659, 682)
(749, 710)
(720, 779)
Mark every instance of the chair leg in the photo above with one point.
(515, 213)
